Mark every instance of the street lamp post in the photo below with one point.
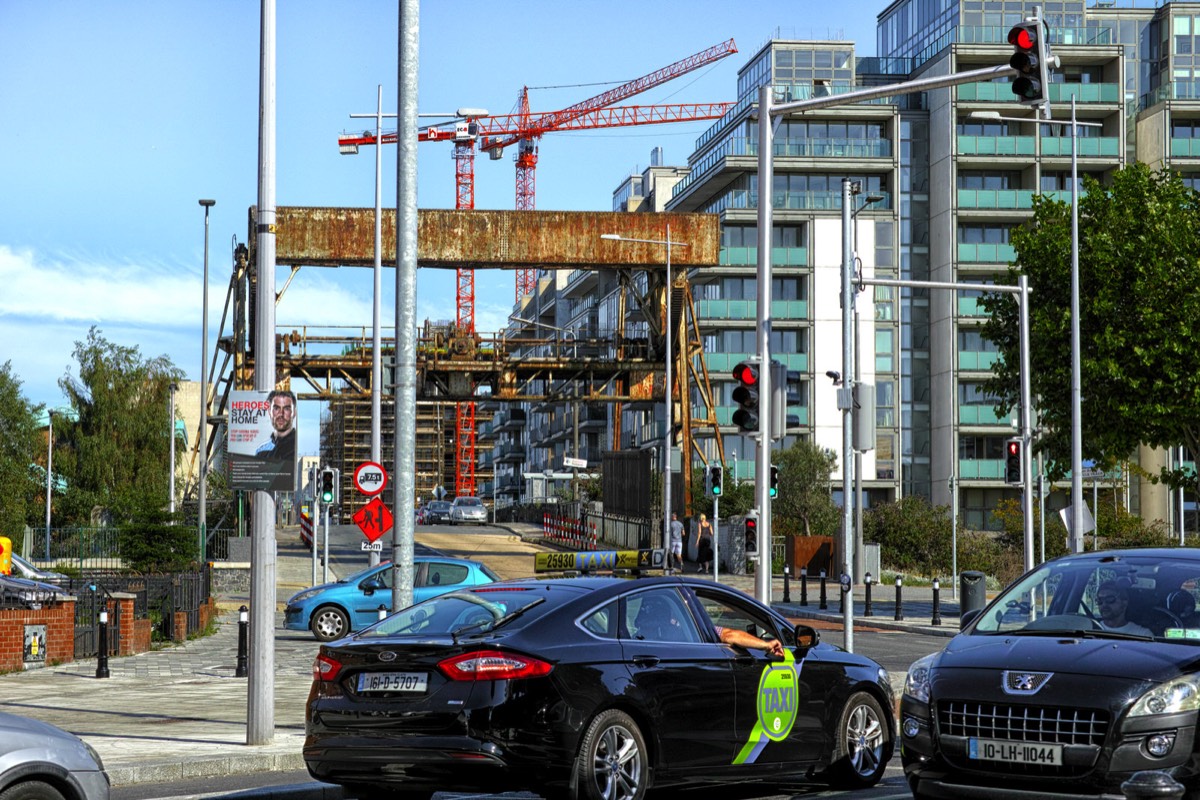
(668, 432)
(1076, 531)
(171, 433)
(859, 567)
(203, 443)
(376, 358)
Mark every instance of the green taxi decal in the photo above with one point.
(778, 698)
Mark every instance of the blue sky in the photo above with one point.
(119, 116)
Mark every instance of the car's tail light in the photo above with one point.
(326, 668)
(492, 665)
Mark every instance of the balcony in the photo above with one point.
(748, 309)
(986, 253)
(981, 469)
(725, 362)
(997, 145)
(1006, 199)
(725, 414)
(509, 454)
(748, 256)
(1090, 147)
(1059, 92)
(511, 420)
(977, 361)
(980, 415)
(1185, 148)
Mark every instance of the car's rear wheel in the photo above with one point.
(862, 740)
(31, 790)
(329, 623)
(613, 760)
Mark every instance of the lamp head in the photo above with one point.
(208, 203)
(614, 237)
(990, 115)
(834, 376)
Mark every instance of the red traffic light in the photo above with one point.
(746, 374)
(1014, 447)
(1023, 37)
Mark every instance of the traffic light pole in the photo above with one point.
(762, 498)
(767, 109)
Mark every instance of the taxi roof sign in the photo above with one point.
(587, 561)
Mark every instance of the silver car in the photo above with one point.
(469, 510)
(41, 762)
(24, 569)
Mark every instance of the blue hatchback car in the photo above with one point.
(333, 610)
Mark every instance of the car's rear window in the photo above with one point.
(469, 611)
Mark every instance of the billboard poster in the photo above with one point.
(261, 446)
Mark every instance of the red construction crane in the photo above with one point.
(532, 128)
(525, 128)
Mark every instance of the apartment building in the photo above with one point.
(939, 191)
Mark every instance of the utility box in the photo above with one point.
(870, 560)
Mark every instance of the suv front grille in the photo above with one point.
(1023, 723)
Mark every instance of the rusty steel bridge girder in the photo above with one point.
(491, 239)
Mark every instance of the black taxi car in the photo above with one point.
(591, 686)
(1083, 672)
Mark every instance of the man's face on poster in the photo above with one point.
(283, 413)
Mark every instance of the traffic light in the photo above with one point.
(751, 534)
(5, 555)
(773, 491)
(328, 486)
(1013, 473)
(745, 394)
(715, 477)
(785, 392)
(1031, 59)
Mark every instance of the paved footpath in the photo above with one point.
(179, 712)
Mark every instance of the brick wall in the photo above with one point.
(59, 619)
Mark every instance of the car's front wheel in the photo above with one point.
(31, 790)
(613, 762)
(329, 623)
(862, 741)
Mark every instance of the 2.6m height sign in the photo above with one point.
(370, 478)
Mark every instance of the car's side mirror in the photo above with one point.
(371, 585)
(968, 617)
(806, 636)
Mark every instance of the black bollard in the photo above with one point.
(102, 658)
(804, 586)
(899, 601)
(824, 603)
(1155, 784)
(241, 671)
(937, 605)
(867, 612)
(787, 593)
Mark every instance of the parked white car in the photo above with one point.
(469, 510)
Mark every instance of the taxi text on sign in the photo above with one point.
(374, 519)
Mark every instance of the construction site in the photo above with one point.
(475, 385)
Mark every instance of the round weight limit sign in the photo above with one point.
(370, 478)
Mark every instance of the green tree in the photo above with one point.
(913, 536)
(804, 506)
(115, 453)
(1139, 269)
(21, 484)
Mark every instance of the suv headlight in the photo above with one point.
(1181, 694)
(916, 682)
